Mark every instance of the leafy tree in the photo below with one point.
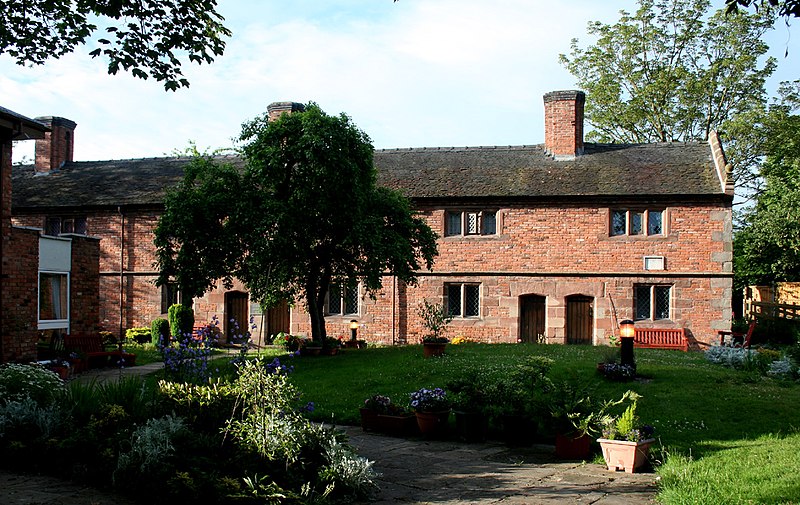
(144, 37)
(767, 244)
(665, 73)
(304, 212)
(669, 72)
(785, 8)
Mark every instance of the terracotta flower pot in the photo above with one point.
(625, 455)
(310, 351)
(431, 350)
(397, 426)
(432, 423)
(571, 447)
(369, 420)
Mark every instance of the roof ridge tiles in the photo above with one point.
(457, 148)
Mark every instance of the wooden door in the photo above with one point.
(531, 318)
(236, 308)
(580, 319)
(277, 319)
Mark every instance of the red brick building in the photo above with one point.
(49, 284)
(555, 242)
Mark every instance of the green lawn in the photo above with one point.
(727, 436)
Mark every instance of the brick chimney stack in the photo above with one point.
(276, 109)
(57, 146)
(563, 124)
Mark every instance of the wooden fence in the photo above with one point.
(769, 310)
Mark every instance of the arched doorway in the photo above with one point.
(235, 308)
(532, 318)
(579, 326)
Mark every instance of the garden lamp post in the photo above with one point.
(626, 331)
(353, 330)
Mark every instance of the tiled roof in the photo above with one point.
(527, 172)
(514, 172)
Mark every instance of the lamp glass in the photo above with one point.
(353, 324)
(626, 328)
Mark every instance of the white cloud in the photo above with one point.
(411, 73)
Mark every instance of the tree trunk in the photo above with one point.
(315, 298)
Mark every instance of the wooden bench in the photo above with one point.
(738, 339)
(661, 338)
(91, 346)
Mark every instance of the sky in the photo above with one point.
(415, 73)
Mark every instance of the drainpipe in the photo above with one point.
(2, 240)
(121, 277)
(394, 302)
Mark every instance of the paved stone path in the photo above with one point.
(454, 473)
(414, 471)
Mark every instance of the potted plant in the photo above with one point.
(469, 400)
(432, 410)
(332, 346)
(625, 442)
(435, 319)
(374, 405)
(576, 417)
(517, 399)
(397, 421)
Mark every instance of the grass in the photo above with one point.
(726, 436)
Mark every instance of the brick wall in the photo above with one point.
(19, 295)
(558, 251)
(563, 123)
(56, 147)
(547, 250)
(85, 285)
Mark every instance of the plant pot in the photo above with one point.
(62, 371)
(78, 365)
(471, 426)
(397, 426)
(569, 446)
(432, 423)
(331, 351)
(625, 455)
(310, 351)
(369, 420)
(431, 350)
(518, 430)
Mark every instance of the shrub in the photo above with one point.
(269, 421)
(140, 335)
(18, 382)
(181, 320)
(777, 331)
(159, 328)
(783, 369)
(150, 445)
(435, 320)
(25, 420)
(108, 338)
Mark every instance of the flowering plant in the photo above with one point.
(429, 400)
(618, 372)
(290, 342)
(19, 381)
(461, 339)
(626, 426)
(378, 403)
